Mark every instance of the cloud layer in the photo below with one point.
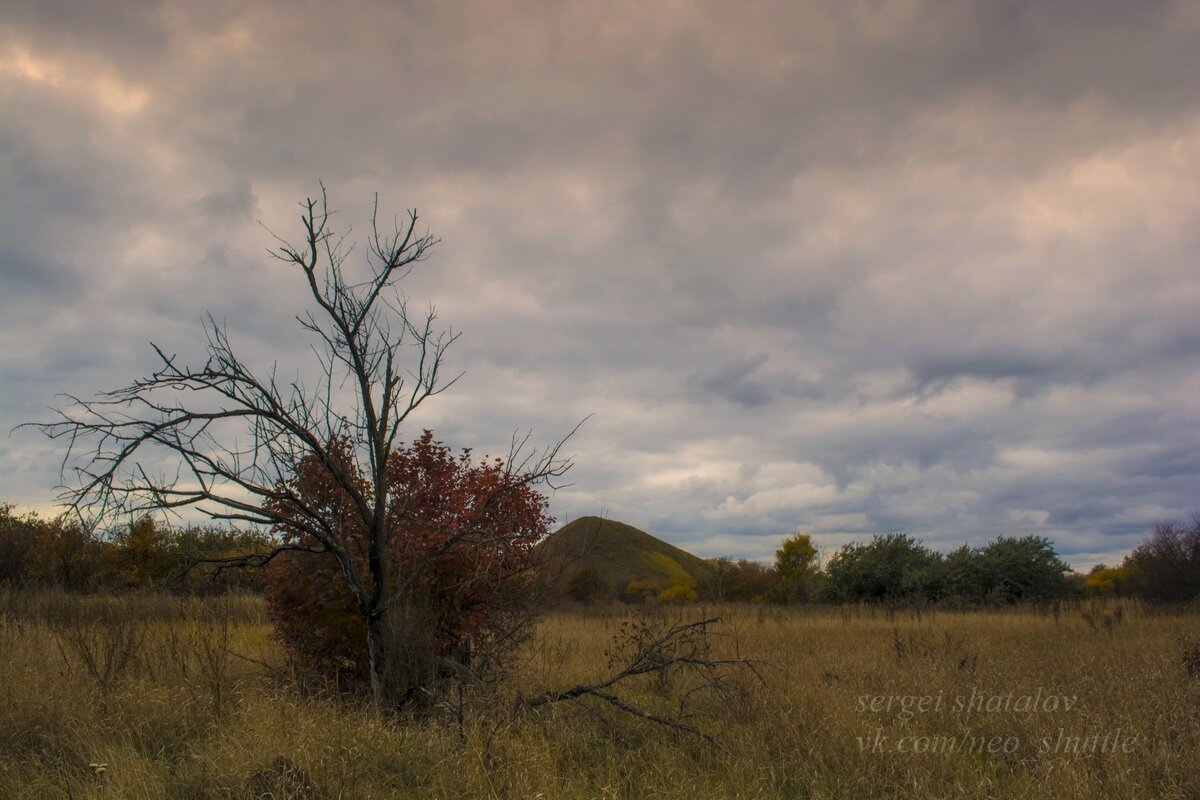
(846, 267)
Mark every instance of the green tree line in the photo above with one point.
(898, 568)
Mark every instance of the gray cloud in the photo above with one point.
(847, 267)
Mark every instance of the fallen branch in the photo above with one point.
(643, 647)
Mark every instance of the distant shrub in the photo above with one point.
(742, 581)
(1108, 581)
(681, 591)
(1022, 569)
(1166, 567)
(892, 567)
(144, 555)
(18, 535)
(586, 586)
(797, 568)
(641, 591)
(65, 554)
(677, 585)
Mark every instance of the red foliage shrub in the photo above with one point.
(461, 538)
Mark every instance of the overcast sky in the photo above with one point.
(841, 267)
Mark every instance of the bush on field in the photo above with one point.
(460, 553)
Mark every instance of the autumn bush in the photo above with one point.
(460, 553)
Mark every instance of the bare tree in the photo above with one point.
(233, 437)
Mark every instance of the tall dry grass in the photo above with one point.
(151, 696)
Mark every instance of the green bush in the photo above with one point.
(891, 567)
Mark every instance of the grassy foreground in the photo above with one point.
(155, 697)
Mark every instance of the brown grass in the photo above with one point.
(155, 697)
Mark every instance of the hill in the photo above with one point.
(618, 553)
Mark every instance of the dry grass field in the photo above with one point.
(156, 697)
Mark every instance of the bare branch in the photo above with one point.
(643, 648)
(247, 561)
